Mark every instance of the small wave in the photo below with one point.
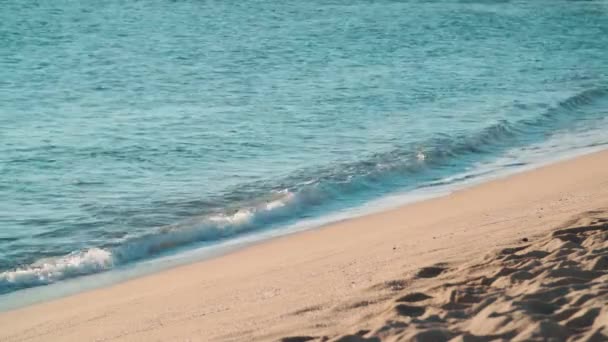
(206, 228)
(259, 206)
(49, 270)
(583, 98)
(211, 227)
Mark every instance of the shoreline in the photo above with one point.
(185, 256)
(323, 267)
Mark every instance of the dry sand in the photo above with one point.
(521, 258)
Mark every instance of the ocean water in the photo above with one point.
(132, 130)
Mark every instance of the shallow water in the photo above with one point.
(129, 130)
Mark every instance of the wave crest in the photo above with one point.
(50, 270)
(259, 206)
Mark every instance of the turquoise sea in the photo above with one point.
(133, 130)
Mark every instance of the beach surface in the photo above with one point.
(519, 258)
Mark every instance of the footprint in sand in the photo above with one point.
(414, 297)
(410, 310)
(553, 289)
(430, 272)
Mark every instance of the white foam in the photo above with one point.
(285, 199)
(241, 216)
(94, 260)
(49, 270)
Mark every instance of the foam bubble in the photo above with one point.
(241, 216)
(280, 202)
(49, 270)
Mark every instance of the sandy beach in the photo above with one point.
(519, 258)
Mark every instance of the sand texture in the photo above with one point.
(551, 289)
(519, 258)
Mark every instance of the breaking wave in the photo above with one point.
(50, 270)
(314, 191)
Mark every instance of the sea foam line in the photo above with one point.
(326, 185)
